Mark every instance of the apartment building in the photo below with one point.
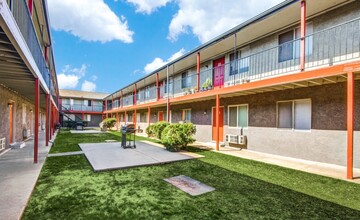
(285, 82)
(81, 106)
(28, 83)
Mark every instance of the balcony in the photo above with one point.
(81, 108)
(325, 48)
(24, 21)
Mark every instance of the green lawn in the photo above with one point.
(68, 189)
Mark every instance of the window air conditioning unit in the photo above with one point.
(231, 138)
(235, 139)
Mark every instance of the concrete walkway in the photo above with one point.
(324, 169)
(18, 176)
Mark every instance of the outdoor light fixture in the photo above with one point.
(205, 112)
(10, 104)
(31, 110)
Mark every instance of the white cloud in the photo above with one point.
(88, 86)
(158, 62)
(89, 20)
(69, 77)
(148, 6)
(207, 19)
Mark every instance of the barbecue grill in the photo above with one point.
(128, 129)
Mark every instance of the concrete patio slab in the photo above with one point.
(109, 156)
(86, 132)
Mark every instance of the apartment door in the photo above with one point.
(11, 118)
(219, 72)
(221, 124)
(161, 116)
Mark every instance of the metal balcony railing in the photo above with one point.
(80, 107)
(24, 21)
(324, 48)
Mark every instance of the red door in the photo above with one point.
(221, 124)
(219, 72)
(11, 123)
(161, 116)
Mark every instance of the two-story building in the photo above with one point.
(81, 106)
(28, 83)
(286, 79)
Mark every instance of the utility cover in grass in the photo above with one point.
(188, 185)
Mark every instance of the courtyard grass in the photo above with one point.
(68, 142)
(68, 189)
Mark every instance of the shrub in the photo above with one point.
(177, 136)
(156, 129)
(159, 127)
(150, 130)
(108, 123)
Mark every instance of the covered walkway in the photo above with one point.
(18, 176)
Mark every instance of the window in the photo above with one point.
(234, 63)
(294, 114)
(185, 80)
(286, 46)
(147, 92)
(138, 117)
(143, 117)
(69, 117)
(186, 115)
(24, 113)
(289, 48)
(238, 116)
(87, 117)
(89, 103)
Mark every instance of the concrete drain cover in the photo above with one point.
(188, 185)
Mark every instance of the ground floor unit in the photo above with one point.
(91, 119)
(308, 123)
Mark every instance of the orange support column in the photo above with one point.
(350, 124)
(135, 119)
(198, 71)
(149, 115)
(117, 119)
(125, 118)
(302, 35)
(217, 112)
(47, 120)
(168, 111)
(36, 130)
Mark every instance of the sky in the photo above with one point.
(104, 45)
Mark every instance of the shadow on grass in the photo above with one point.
(68, 189)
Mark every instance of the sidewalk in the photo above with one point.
(324, 169)
(18, 176)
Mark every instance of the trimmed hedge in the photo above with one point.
(177, 136)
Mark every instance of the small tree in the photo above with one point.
(108, 123)
(177, 136)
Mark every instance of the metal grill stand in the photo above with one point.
(128, 129)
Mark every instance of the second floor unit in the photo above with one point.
(26, 48)
(73, 101)
(291, 37)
